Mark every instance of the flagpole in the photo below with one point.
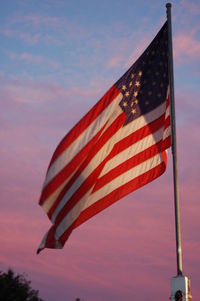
(174, 147)
(180, 285)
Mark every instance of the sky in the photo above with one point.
(58, 58)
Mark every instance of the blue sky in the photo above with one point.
(57, 59)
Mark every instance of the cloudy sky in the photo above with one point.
(57, 59)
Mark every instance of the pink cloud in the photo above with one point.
(115, 61)
(7, 32)
(191, 7)
(32, 38)
(39, 91)
(141, 46)
(37, 20)
(18, 26)
(27, 37)
(186, 45)
(34, 59)
(122, 57)
(36, 28)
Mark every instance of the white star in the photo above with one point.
(137, 83)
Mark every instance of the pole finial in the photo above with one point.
(168, 5)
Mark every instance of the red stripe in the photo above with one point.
(167, 122)
(80, 127)
(50, 240)
(166, 143)
(114, 196)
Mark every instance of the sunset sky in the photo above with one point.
(58, 58)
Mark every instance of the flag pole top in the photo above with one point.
(168, 11)
(168, 5)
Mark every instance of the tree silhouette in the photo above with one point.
(16, 288)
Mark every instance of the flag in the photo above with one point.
(117, 147)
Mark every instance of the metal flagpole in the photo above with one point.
(174, 148)
(180, 285)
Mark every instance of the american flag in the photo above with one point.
(117, 147)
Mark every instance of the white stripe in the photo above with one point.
(116, 113)
(88, 200)
(167, 112)
(105, 150)
(43, 242)
(81, 141)
(167, 132)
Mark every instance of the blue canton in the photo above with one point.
(144, 85)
